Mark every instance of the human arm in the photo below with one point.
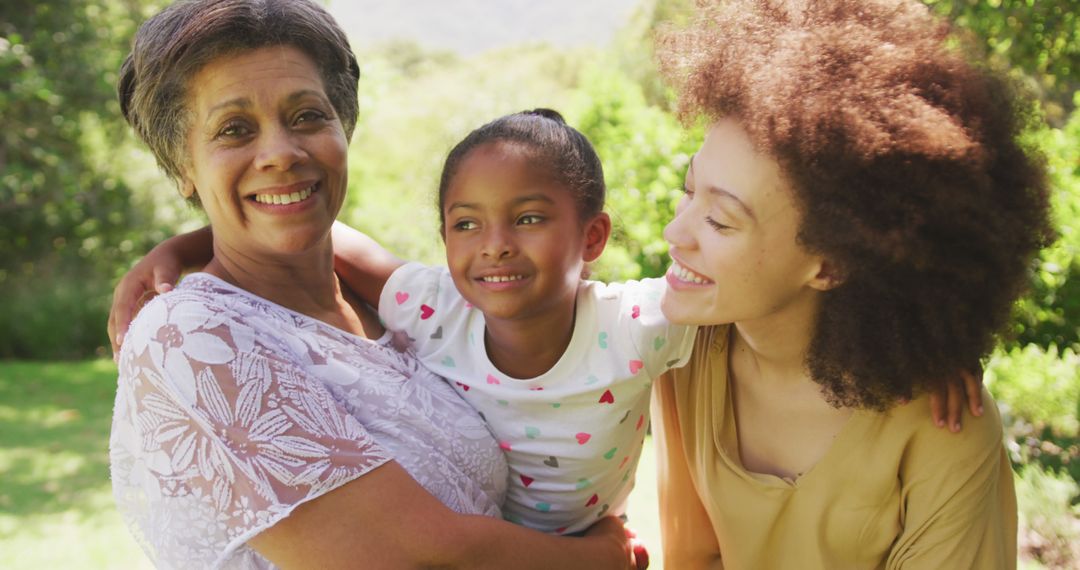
(958, 504)
(387, 520)
(688, 538)
(219, 439)
(361, 262)
(156, 273)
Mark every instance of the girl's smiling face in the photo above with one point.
(266, 152)
(515, 241)
(733, 239)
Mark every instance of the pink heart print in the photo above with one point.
(492, 380)
(426, 312)
(401, 297)
(636, 366)
(635, 311)
(582, 438)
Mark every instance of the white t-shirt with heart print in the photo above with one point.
(573, 435)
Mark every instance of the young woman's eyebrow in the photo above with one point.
(720, 192)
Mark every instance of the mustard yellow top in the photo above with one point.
(893, 491)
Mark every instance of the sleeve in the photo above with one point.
(686, 532)
(661, 344)
(215, 440)
(958, 503)
(417, 300)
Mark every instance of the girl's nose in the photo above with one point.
(279, 149)
(499, 244)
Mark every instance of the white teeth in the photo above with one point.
(684, 274)
(284, 199)
(502, 278)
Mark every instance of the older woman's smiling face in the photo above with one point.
(266, 152)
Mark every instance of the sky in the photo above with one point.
(468, 27)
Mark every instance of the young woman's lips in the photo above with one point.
(287, 199)
(682, 278)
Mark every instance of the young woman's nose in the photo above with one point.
(279, 149)
(677, 232)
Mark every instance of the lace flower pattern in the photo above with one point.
(231, 411)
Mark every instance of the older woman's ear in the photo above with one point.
(186, 187)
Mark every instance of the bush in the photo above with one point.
(1049, 534)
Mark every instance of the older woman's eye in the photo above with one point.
(234, 130)
(310, 116)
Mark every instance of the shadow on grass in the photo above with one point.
(54, 436)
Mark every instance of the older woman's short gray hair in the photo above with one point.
(177, 42)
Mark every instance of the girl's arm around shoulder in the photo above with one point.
(958, 503)
(361, 262)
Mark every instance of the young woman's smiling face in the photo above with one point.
(733, 238)
(515, 242)
(266, 152)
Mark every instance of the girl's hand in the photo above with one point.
(155, 274)
(947, 401)
(152, 275)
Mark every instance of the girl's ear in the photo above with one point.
(828, 276)
(597, 232)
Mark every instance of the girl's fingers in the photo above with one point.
(973, 386)
(937, 405)
(955, 405)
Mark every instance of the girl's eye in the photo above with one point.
(465, 225)
(717, 225)
(528, 219)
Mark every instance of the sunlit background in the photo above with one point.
(80, 200)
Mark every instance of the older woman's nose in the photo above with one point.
(279, 149)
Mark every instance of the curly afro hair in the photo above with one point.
(904, 159)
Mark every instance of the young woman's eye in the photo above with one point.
(689, 193)
(528, 219)
(717, 225)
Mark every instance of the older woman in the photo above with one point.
(859, 217)
(262, 419)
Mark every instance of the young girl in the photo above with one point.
(559, 367)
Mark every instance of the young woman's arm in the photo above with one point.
(688, 538)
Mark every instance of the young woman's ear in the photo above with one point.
(828, 276)
(597, 232)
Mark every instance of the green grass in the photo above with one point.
(56, 507)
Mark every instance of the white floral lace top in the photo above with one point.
(232, 410)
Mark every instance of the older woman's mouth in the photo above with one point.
(284, 199)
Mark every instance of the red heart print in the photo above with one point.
(493, 380)
(463, 386)
(640, 421)
(560, 530)
(636, 366)
(401, 297)
(426, 312)
(526, 480)
(504, 445)
(592, 500)
(635, 311)
(624, 460)
(582, 438)
(607, 398)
